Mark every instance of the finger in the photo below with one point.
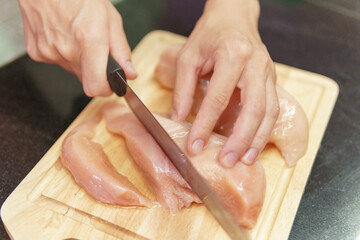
(93, 58)
(187, 68)
(119, 47)
(263, 134)
(251, 114)
(220, 89)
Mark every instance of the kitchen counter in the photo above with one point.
(38, 101)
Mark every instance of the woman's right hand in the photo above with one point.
(77, 35)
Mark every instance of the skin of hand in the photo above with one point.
(77, 35)
(226, 41)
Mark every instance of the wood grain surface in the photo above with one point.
(48, 204)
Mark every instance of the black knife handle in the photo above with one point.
(116, 84)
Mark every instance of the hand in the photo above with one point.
(226, 41)
(77, 35)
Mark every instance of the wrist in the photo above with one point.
(240, 15)
(244, 12)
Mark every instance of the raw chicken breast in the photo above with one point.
(93, 171)
(242, 187)
(172, 191)
(290, 133)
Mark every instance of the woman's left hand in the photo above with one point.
(226, 41)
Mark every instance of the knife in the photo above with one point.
(117, 81)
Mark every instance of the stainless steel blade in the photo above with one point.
(185, 167)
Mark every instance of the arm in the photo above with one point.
(226, 41)
(77, 35)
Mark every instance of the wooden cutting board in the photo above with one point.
(48, 204)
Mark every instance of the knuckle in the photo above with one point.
(90, 39)
(244, 141)
(84, 36)
(244, 47)
(183, 58)
(236, 49)
(261, 139)
(206, 128)
(219, 101)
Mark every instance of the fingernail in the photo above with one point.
(250, 156)
(197, 146)
(130, 67)
(230, 159)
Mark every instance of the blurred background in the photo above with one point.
(147, 15)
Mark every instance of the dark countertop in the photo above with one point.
(38, 102)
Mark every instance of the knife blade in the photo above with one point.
(198, 184)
